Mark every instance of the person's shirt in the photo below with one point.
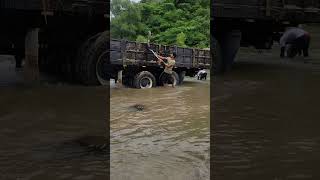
(290, 35)
(201, 72)
(171, 62)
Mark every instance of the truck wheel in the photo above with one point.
(175, 78)
(225, 49)
(94, 65)
(182, 74)
(83, 56)
(144, 80)
(128, 82)
(101, 68)
(218, 65)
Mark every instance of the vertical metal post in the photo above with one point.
(268, 8)
(123, 51)
(194, 57)
(31, 68)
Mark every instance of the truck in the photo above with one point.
(136, 65)
(70, 39)
(254, 23)
(66, 38)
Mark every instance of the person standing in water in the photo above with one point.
(167, 76)
(202, 74)
(295, 40)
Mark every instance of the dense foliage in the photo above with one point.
(182, 22)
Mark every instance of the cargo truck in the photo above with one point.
(72, 42)
(139, 68)
(256, 23)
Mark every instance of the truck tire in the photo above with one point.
(83, 56)
(175, 76)
(144, 80)
(98, 54)
(230, 44)
(225, 49)
(182, 74)
(218, 65)
(128, 82)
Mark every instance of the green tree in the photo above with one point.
(181, 22)
(141, 39)
(181, 39)
(126, 21)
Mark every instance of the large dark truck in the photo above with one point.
(68, 38)
(134, 63)
(256, 23)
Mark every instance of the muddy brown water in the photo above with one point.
(266, 119)
(168, 140)
(40, 127)
(265, 126)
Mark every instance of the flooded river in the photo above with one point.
(168, 140)
(264, 122)
(266, 119)
(41, 126)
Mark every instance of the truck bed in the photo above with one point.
(52, 6)
(282, 10)
(133, 53)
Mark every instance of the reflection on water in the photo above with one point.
(266, 120)
(169, 139)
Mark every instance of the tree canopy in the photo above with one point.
(181, 22)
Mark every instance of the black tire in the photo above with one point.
(292, 52)
(225, 49)
(218, 65)
(97, 56)
(144, 80)
(175, 76)
(269, 43)
(182, 74)
(128, 82)
(82, 55)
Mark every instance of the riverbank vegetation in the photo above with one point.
(184, 23)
